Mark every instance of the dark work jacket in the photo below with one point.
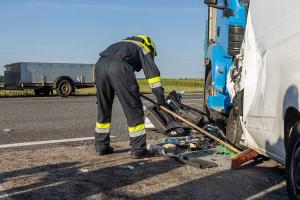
(133, 52)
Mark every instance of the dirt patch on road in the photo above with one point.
(75, 172)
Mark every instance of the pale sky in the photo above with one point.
(77, 31)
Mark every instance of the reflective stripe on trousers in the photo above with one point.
(102, 127)
(154, 82)
(136, 131)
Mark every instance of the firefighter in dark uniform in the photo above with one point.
(114, 74)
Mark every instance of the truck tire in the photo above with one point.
(293, 163)
(234, 130)
(64, 88)
(218, 119)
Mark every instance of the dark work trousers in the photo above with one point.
(113, 75)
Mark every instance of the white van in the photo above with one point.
(266, 96)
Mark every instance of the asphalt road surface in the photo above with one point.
(52, 172)
(55, 118)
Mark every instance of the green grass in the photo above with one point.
(16, 93)
(186, 85)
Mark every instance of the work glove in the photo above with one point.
(160, 97)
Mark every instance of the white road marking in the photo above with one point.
(70, 139)
(23, 144)
(30, 101)
(267, 191)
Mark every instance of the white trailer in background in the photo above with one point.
(270, 82)
(44, 77)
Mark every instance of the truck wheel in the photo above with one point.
(64, 88)
(234, 130)
(293, 163)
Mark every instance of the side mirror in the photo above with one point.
(211, 2)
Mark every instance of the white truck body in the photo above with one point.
(271, 74)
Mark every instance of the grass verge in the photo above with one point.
(186, 85)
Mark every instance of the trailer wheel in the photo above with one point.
(64, 88)
(293, 163)
(234, 130)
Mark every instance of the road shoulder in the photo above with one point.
(75, 172)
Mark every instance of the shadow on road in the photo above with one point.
(252, 182)
(66, 181)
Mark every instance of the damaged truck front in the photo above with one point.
(252, 78)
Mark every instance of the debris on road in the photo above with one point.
(186, 119)
(176, 116)
(7, 131)
(81, 147)
(199, 152)
(155, 149)
(221, 149)
(127, 167)
(84, 170)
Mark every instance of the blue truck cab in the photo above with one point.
(224, 35)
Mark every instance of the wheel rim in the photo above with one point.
(66, 88)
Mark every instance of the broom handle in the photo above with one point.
(193, 125)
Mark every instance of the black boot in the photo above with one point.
(106, 151)
(102, 144)
(138, 147)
